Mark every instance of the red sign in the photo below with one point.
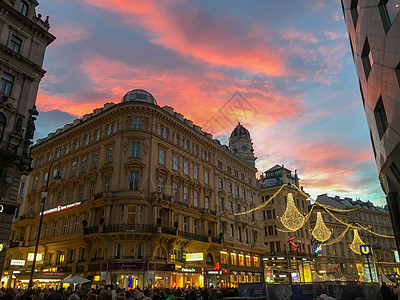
(216, 267)
(293, 244)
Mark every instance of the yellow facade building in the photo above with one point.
(146, 198)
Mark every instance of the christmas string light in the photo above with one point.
(378, 234)
(292, 219)
(338, 238)
(320, 231)
(357, 242)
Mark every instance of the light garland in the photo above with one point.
(378, 234)
(292, 219)
(338, 238)
(357, 242)
(320, 231)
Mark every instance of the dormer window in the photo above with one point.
(23, 8)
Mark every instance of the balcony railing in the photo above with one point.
(149, 229)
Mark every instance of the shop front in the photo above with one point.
(185, 276)
(40, 279)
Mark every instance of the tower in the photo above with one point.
(240, 144)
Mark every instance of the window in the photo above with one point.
(65, 227)
(241, 259)
(106, 186)
(23, 8)
(206, 178)
(165, 132)
(133, 180)
(3, 122)
(186, 195)
(80, 192)
(87, 139)
(186, 144)
(115, 127)
(196, 199)
(58, 152)
(388, 10)
(230, 207)
(109, 153)
(175, 191)
(15, 44)
(161, 185)
(137, 123)
(224, 257)
(55, 229)
(98, 134)
(83, 164)
(161, 156)
(75, 229)
(195, 226)
(243, 194)
(109, 129)
(135, 151)
(220, 183)
(186, 167)
(73, 168)
(206, 202)
(354, 9)
(159, 129)
(195, 172)
(397, 71)
(117, 250)
(91, 189)
(248, 260)
(76, 144)
(366, 58)
(175, 163)
(237, 191)
(67, 149)
(233, 259)
(6, 83)
(230, 187)
(251, 198)
(94, 159)
(221, 204)
(380, 117)
(231, 230)
(195, 149)
(395, 171)
(176, 138)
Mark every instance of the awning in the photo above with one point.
(385, 279)
(50, 276)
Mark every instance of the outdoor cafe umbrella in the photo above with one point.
(75, 279)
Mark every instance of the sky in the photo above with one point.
(283, 69)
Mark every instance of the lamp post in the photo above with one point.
(42, 203)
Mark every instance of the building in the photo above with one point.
(143, 201)
(283, 258)
(24, 37)
(374, 33)
(339, 260)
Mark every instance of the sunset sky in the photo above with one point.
(282, 68)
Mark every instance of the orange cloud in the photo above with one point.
(196, 34)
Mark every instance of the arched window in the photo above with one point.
(209, 259)
(2, 125)
(23, 8)
(160, 253)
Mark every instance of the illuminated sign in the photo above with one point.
(214, 272)
(61, 208)
(293, 244)
(188, 270)
(2, 246)
(38, 256)
(194, 256)
(318, 249)
(216, 267)
(396, 256)
(96, 278)
(365, 249)
(17, 262)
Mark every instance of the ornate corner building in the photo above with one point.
(147, 198)
(24, 37)
(374, 33)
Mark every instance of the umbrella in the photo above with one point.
(385, 279)
(75, 279)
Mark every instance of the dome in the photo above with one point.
(240, 132)
(139, 95)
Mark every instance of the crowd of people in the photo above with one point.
(118, 294)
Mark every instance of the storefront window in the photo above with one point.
(233, 259)
(256, 261)
(224, 257)
(248, 260)
(241, 260)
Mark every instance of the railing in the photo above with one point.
(193, 236)
(14, 244)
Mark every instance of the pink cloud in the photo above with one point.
(69, 33)
(215, 41)
(294, 34)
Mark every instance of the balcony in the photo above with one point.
(150, 229)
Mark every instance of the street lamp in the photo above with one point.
(44, 196)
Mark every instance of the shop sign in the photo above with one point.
(7, 209)
(295, 277)
(38, 256)
(61, 208)
(54, 273)
(396, 256)
(194, 256)
(282, 276)
(17, 262)
(318, 249)
(214, 272)
(188, 270)
(268, 275)
(96, 278)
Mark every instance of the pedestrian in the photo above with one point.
(385, 291)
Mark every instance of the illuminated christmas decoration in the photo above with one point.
(357, 242)
(320, 231)
(338, 238)
(292, 219)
